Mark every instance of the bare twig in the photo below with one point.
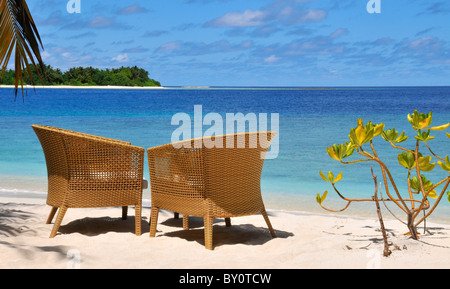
(386, 251)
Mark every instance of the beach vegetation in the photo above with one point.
(18, 34)
(87, 76)
(419, 188)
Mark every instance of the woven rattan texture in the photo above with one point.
(86, 171)
(213, 177)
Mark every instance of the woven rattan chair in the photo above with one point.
(196, 179)
(87, 171)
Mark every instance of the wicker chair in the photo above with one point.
(87, 171)
(196, 179)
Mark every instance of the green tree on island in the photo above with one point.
(19, 34)
(88, 76)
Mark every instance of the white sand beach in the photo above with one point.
(98, 238)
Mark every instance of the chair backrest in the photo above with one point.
(56, 159)
(219, 168)
(233, 170)
(83, 162)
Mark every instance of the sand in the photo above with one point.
(98, 238)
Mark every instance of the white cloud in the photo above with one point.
(339, 32)
(45, 55)
(121, 58)
(170, 46)
(237, 19)
(100, 22)
(285, 12)
(313, 15)
(132, 9)
(424, 42)
(271, 59)
(203, 48)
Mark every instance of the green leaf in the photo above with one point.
(353, 138)
(330, 176)
(349, 149)
(361, 135)
(341, 151)
(323, 176)
(324, 196)
(442, 127)
(423, 121)
(369, 136)
(420, 120)
(401, 138)
(378, 129)
(448, 196)
(445, 166)
(332, 153)
(432, 194)
(425, 165)
(391, 135)
(415, 184)
(424, 135)
(320, 199)
(406, 159)
(338, 178)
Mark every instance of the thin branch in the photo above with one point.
(385, 170)
(425, 196)
(435, 204)
(433, 152)
(386, 251)
(354, 162)
(409, 188)
(386, 206)
(400, 148)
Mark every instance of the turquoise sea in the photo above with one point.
(310, 119)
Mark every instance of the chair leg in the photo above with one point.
(176, 215)
(185, 222)
(52, 214)
(208, 222)
(153, 221)
(266, 218)
(228, 222)
(124, 212)
(138, 217)
(59, 218)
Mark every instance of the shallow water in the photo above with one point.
(309, 121)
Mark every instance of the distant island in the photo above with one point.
(86, 76)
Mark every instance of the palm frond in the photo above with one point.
(19, 34)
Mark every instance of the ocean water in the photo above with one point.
(309, 121)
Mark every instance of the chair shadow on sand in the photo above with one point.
(236, 234)
(247, 234)
(94, 226)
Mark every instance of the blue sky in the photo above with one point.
(253, 42)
